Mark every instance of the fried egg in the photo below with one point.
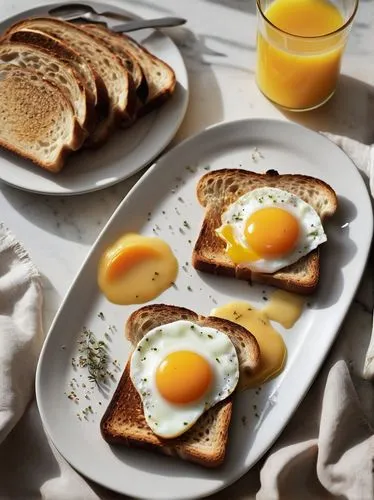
(267, 229)
(180, 370)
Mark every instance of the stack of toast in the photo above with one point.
(65, 86)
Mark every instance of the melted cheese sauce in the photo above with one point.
(284, 308)
(136, 269)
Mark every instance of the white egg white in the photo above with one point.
(164, 418)
(311, 230)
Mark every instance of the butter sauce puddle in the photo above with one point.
(284, 308)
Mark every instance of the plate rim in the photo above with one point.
(158, 151)
(186, 142)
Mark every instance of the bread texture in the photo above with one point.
(49, 67)
(205, 443)
(218, 189)
(159, 76)
(106, 64)
(92, 81)
(36, 120)
(114, 42)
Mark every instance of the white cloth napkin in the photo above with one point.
(323, 453)
(20, 330)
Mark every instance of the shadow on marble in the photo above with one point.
(349, 112)
(205, 105)
(152, 5)
(240, 5)
(77, 218)
(206, 50)
(22, 465)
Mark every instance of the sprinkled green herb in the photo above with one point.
(218, 361)
(237, 217)
(314, 234)
(189, 288)
(210, 336)
(185, 223)
(101, 315)
(207, 167)
(94, 356)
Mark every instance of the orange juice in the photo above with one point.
(297, 66)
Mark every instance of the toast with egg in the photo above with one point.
(205, 443)
(218, 189)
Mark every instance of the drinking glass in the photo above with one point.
(300, 72)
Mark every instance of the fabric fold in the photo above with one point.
(338, 463)
(21, 333)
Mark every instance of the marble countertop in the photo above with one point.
(218, 46)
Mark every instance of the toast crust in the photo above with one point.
(154, 96)
(218, 189)
(205, 443)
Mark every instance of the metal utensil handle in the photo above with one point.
(164, 22)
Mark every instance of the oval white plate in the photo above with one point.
(127, 151)
(161, 201)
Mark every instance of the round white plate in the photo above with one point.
(127, 151)
(160, 202)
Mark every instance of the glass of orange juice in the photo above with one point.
(300, 44)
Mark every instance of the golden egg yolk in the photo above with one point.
(183, 377)
(234, 250)
(272, 232)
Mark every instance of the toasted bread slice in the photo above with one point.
(159, 76)
(205, 443)
(46, 65)
(218, 189)
(37, 120)
(104, 61)
(114, 42)
(92, 81)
